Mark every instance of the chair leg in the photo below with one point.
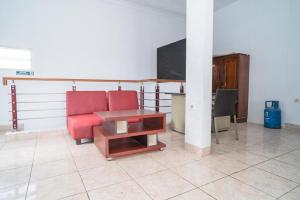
(236, 128)
(216, 130)
(78, 141)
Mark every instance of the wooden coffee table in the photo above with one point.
(118, 137)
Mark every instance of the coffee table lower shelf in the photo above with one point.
(112, 148)
(130, 146)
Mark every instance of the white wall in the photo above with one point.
(108, 39)
(262, 28)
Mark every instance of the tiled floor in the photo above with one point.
(263, 164)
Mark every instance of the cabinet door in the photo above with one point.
(214, 78)
(222, 76)
(218, 74)
(231, 74)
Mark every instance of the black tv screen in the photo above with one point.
(171, 61)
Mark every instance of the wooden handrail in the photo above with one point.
(6, 79)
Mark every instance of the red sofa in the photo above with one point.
(123, 100)
(80, 106)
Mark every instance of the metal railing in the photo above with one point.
(26, 103)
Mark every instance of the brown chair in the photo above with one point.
(225, 102)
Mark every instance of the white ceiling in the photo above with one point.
(177, 6)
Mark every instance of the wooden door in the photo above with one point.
(231, 81)
(219, 78)
(214, 78)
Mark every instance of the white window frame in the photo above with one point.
(15, 58)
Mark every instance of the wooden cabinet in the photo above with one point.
(232, 72)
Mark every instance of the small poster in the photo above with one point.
(24, 73)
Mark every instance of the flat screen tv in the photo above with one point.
(171, 61)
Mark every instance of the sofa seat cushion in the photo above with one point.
(81, 126)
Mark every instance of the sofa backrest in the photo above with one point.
(85, 102)
(122, 100)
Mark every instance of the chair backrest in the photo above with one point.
(122, 100)
(85, 102)
(225, 102)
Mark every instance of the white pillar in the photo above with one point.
(199, 74)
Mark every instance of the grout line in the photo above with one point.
(288, 192)
(96, 168)
(77, 168)
(207, 193)
(168, 168)
(196, 187)
(133, 179)
(109, 185)
(214, 181)
(72, 195)
(253, 187)
(298, 183)
(255, 166)
(181, 193)
(36, 141)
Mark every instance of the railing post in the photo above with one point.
(142, 95)
(157, 97)
(14, 106)
(181, 88)
(74, 86)
(119, 87)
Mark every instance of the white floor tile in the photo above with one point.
(17, 192)
(232, 189)
(197, 173)
(264, 181)
(281, 169)
(49, 154)
(103, 176)
(128, 190)
(172, 173)
(171, 158)
(140, 166)
(292, 195)
(223, 164)
(196, 194)
(290, 158)
(164, 184)
(14, 177)
(51, 169)
(55, 188)
(16, 158)
(89, 161)
(82, 196)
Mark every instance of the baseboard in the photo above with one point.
(292, 126)
(8, 127)
(200, 151)
(4, 128)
